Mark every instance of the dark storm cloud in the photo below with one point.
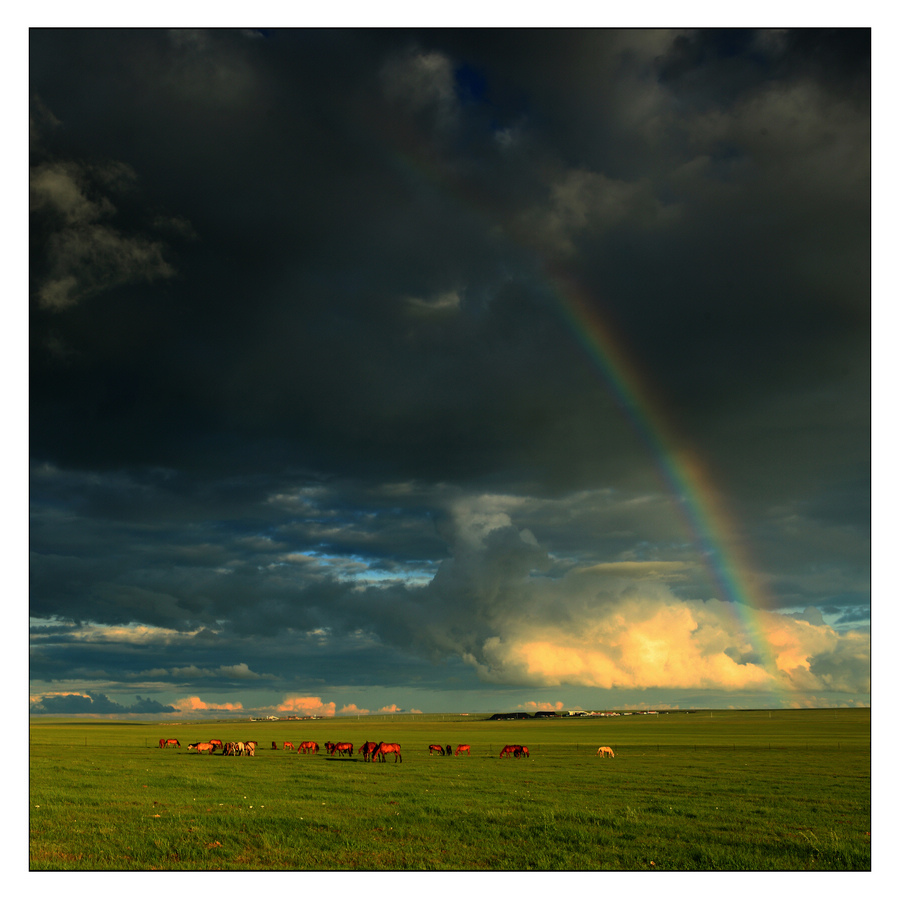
(94, 704)
(304, 389)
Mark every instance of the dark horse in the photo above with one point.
(367, 749)
(435, 748)
(383, 748)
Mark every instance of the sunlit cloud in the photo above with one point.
(351, 709)
(664, 642)
(128, 634)
(619, 625)
(195, 704)
(307, 706)
(541, 706)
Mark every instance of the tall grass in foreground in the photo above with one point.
(737, 792)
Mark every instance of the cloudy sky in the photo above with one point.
(448, 370)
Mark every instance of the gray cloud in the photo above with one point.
(93, 704)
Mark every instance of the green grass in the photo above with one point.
(731, 791)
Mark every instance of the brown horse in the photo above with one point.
(162, 743)
(605, 751)
(435, 748)
(308, 747)
(203, 747)
(367, 749)
(329, 747)
(343, 749)
(274, 745)
(383, 748)
(288, 746)
(216, 742)
(463, 748)
(171, 742)
(516, 750)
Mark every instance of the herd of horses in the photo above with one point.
(448, 750)
(370, 750)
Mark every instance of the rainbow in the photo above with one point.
(680, 468)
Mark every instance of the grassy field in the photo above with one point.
(779, 790)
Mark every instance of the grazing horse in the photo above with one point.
(288, 745)
(228, 749)
(239, 748)
(250, 747)
(449, 750)
(162, 743)
(367, 749)
(308, 747)
(274, 745)
(516, 750)
(463, 748)
(605, 751)
(203, 747)
(435, 747)
(329, 747)
(172, 742)
(343, 749)
(216, 742)
(383, 748)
